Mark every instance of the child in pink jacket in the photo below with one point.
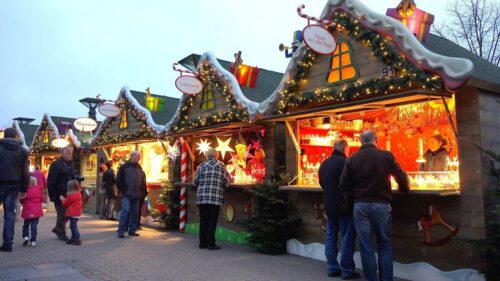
(32, 211)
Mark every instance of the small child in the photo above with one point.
(73, 205)
(32, 211)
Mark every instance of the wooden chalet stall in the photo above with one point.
(136, 128)
(222, 117)
(381, 77)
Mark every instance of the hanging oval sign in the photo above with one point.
(189, 85)
(85, 124)
(60, 142)
(109, 109)
(319, 39)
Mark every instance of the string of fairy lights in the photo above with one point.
(39, 145)
(233, 113)
(143, 132)
(408, 76)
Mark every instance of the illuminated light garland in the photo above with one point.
(144, 131)
(233, 113)
(38, 146)
(408, 76)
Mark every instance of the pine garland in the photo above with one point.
(409, 76)
(233, 113)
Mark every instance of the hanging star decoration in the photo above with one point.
(173, 151)
(203, 146)
(255, 144)
(223, 147)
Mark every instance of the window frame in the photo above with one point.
(339, 68)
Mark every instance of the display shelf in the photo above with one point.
(328, 129)
(310, 188)
(232, 185)
(442, 192)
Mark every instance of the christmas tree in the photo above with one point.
(274, 220)
(167, 211)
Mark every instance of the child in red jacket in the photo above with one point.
(73, 205)
(32, 211)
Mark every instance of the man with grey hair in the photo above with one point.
(14, 178)
(367, 179)
(60, 172)
(131, 182)
(338, 219)
(211, 180)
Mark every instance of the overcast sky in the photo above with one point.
(53, 53)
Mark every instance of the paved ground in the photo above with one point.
(154, 255)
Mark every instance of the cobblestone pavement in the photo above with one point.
(155, 255)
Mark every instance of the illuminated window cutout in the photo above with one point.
(207, 99)
(342, 68)
(45, 136)
(123, 120)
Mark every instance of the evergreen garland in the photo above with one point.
(233, 113)
(274, 220)
(169, 200)
(408, 75)
(38, 145)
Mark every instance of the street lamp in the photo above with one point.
(91, 104)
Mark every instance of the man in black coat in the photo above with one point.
(131, 182)
(339, 219)
(367, 178)
(108, 183)
(14, 178)
(61, 171)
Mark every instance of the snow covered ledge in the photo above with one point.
(419, 271)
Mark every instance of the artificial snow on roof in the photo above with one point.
(15, 124)
(453, 71)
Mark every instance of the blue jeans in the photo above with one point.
(8, 197)
(377, 218)
(30, 223)
(129, 215)
(346, 227)
(73, 225)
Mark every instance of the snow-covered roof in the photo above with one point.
(74, 139)
(125, 93)
(53, 126)
(15, 124)
(454, 71)
(228, 78)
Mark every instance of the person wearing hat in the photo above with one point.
(436, 157)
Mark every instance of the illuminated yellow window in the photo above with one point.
(342, 67)
(207, 99)
(123, 120)
(46, 136)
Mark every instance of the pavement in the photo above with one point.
(155, 255)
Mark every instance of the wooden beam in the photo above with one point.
(292, 135)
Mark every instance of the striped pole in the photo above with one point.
(309, 18)
(182, 219)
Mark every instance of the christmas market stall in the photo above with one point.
(132, 125)
(428, 100)
(220, 115)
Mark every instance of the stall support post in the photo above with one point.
(182, 208)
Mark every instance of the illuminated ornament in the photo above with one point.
(255, 144)
(60, 142)
(203, 146)
(173, 151)
(419, 22)
(223, 147)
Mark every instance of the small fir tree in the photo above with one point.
(274, 219)
(167, 211)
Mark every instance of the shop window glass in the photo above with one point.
(46, 136)
(342, 68)
(123, 120)
(207, 99)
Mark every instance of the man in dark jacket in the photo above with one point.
(338, 218)
(61, 171)
(14, 178)
(367, 178)
(108, 182)
(131, 182)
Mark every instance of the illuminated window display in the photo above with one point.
(153, 160)
(419, 135)
(242, 155)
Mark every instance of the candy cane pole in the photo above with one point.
(175, 67)
(309, 18)
(182, 208)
